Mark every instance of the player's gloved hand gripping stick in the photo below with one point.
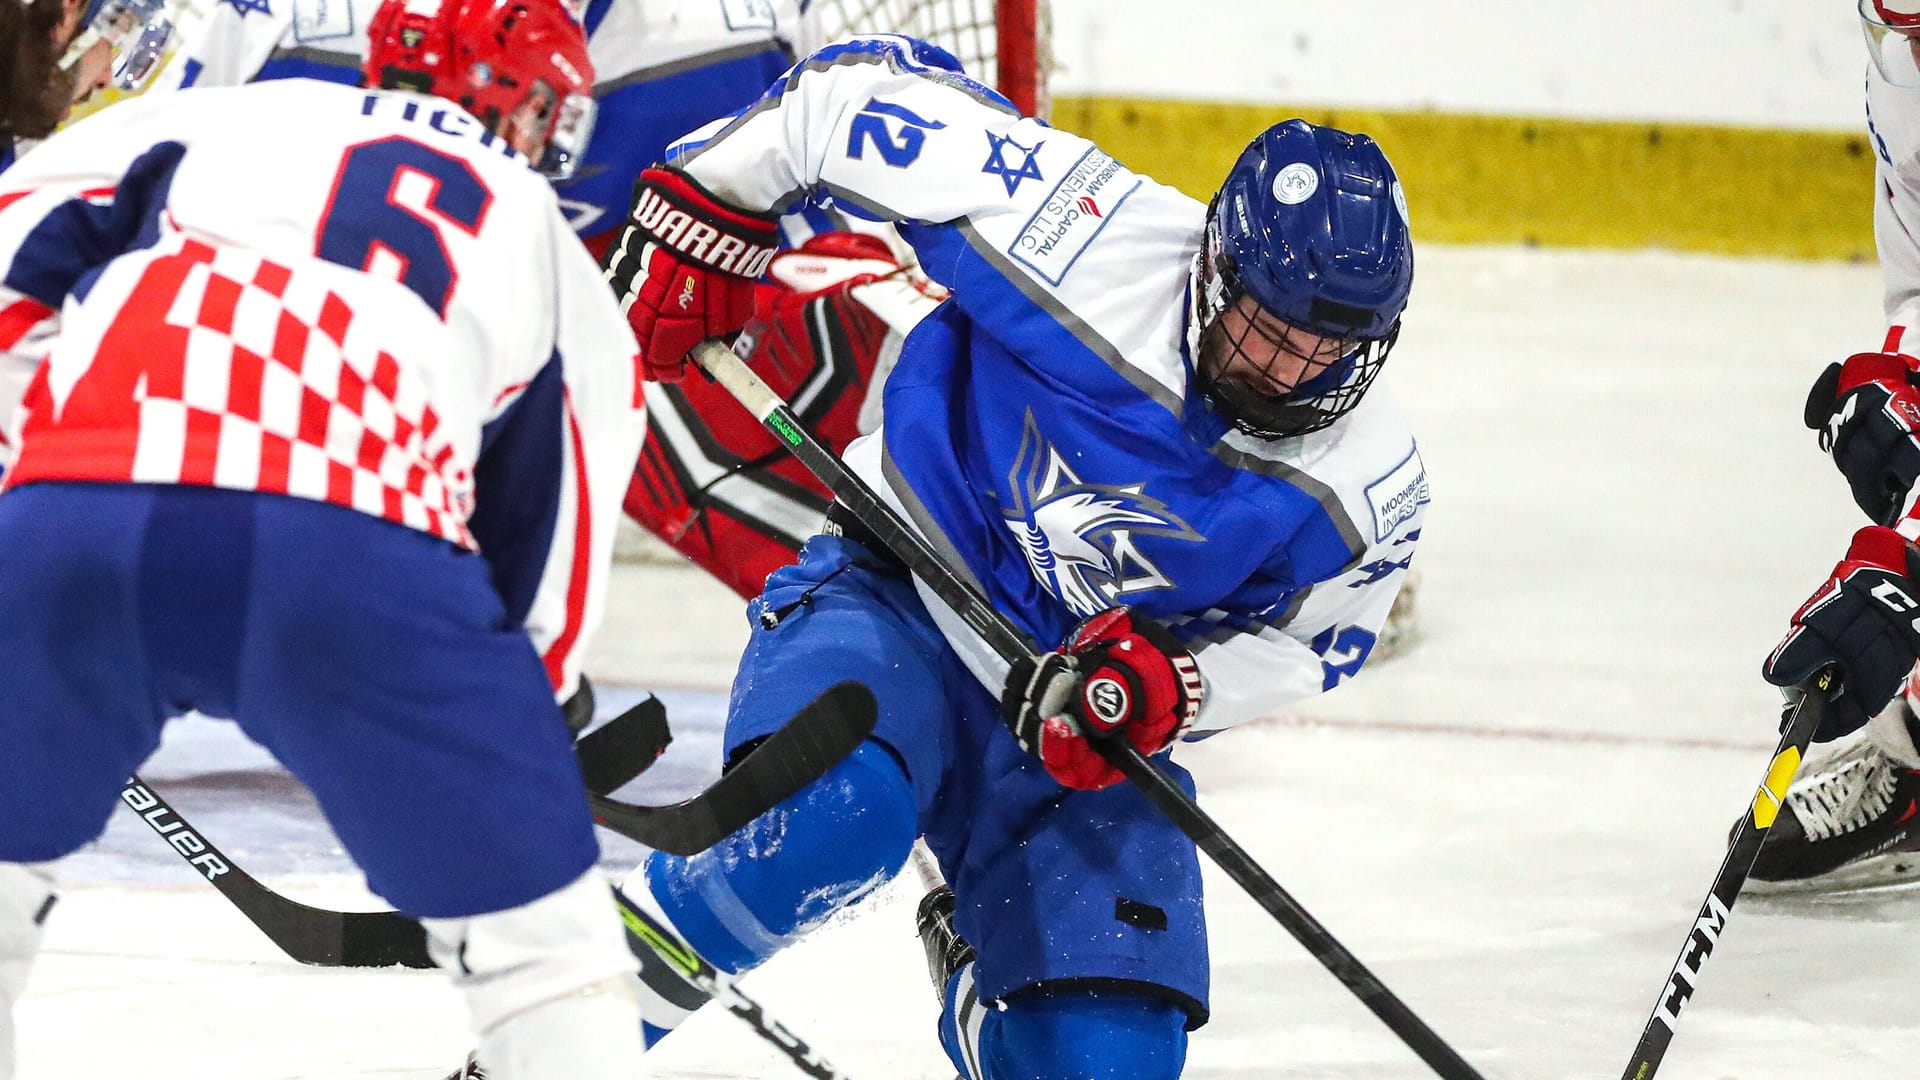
(1850, 645)
(1119, 752)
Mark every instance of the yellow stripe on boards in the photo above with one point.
(1473, 179)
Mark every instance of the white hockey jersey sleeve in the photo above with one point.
(1893, 129)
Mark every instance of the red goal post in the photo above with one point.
(1002, 42)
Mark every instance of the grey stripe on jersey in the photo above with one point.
(1255, 455)
(1032, 289)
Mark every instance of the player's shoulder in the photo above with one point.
(1365, 470)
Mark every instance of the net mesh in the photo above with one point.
(1001, 42)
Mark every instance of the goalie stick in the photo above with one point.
(829, 728)
(1742, 849)
(966, 601)
(610, 755)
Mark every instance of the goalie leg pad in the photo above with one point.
(547, 984)
(1079, 1034)
(764, 887)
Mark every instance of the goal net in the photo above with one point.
(1003, 43)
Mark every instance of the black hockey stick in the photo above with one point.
(655, 944)
(609, 756)
(1007, 640)
(829, 728)
(311, 935)
(681, 978)
(1752, 832)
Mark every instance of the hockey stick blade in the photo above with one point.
(1754, 828)
(610, 755)
(311, 935)
(621, 749)
(829, 728)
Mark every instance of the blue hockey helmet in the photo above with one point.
(1305, 272)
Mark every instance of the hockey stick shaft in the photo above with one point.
(717, 986)
(1711, 922)
(653, 943)
(1011, 644)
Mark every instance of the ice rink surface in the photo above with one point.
(1512, 824)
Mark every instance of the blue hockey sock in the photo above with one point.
(762, 888)
(1068, 1035)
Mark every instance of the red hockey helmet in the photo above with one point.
(511, 63)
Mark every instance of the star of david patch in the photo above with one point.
(249, 7)
(1000, 150)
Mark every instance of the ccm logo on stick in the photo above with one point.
(1686, 972)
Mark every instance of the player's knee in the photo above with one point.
(562, 945)
(1084, 1035)
(766, 885)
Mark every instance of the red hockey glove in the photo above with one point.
(1114, 674)
(1868, 415)
(684, 268)
(1866, 621)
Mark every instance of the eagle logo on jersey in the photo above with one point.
(1079, 538)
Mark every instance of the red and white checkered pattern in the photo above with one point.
(225, 369)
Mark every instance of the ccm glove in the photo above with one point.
(1862, 621)
(684, 268)
(1115, 675)
(1867, 414)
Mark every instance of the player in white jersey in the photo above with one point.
(1144, 428)
(326, 432)
(1853, 818)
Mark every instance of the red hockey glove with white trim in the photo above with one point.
(1868, 415)
(1866, 621)
(684, 268)
(1115, 673)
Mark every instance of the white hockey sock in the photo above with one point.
(26, 896)
(547, 984)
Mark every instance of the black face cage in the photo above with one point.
(1265, 414)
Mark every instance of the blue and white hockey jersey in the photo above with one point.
(663, 67)
(1043, 428)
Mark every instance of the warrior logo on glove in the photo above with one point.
(684, 268)
(1107, 700)
(1117, 676)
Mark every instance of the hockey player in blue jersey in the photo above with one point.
(1148, 429)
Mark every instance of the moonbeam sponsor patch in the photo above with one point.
(1073, 214)
(1398, 496)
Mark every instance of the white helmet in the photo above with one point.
(1892, 28)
